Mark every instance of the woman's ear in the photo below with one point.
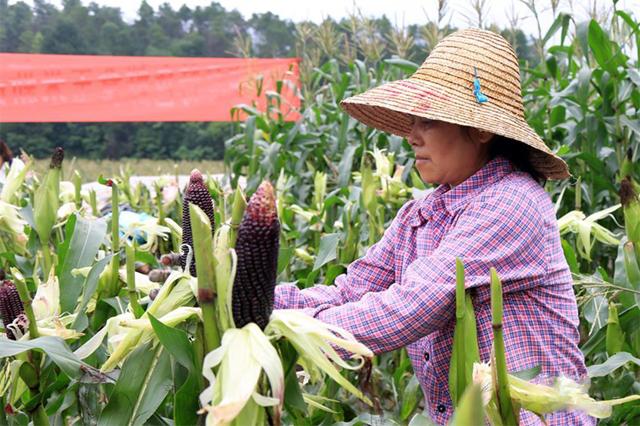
(481, 136)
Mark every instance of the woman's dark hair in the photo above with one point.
(516, 152)
(5, 153)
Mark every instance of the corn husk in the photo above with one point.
(464, 352)
(126, 334)
(615, 337)
(225, 275)
(564, 394)
(46, 203)
(509, 411)
(12, 230)
(15, 179)
(588, 230)
(315, 342)
(242, 356)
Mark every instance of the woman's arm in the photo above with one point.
(506, 232)
(374, 272)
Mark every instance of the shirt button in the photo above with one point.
(441, 408)
(426, 356)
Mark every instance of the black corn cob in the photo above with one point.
(257, 251)
(170, 259)
(159, 275)
(10, 306)
(56, 158)
(198, 194)
(154, 293)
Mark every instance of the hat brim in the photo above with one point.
(390, 107)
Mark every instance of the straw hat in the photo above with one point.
(443, 89)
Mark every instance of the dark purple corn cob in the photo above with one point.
(159, 275)
(170, 259)
(10, 306)
(154, 293)
(56, 158)
(198, 194)
(257, 250)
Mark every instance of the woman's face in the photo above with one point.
(445, 152)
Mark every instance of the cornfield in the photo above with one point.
(155, 306)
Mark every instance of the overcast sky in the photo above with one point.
(398, 11)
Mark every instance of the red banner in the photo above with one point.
(82, 88)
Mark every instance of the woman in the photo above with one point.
(462, 113)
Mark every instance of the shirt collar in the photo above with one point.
(452, 199)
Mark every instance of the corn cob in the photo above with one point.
(257, 251)
(198, 194)
(159, 275)
(10, 306)
(153, 293)
(170, 259)
(56, 158)
(143, 268)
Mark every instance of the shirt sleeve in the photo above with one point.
(503, 232)
(373, 272)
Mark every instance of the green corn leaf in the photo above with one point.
(293, 399)
(410, 397)
(46, 204)
(507, 410)
(203, 248)
(54, 347)
(224, 276)
(470, 407)
(88, 235)
(406, 66)
(327, 250)
(632, 268)
(346, 162)
(562, 21)
(144, 382)
(176, 342)
(465, 351)
(602, 48)
(89, 287)
(368, 189)
(612, 364)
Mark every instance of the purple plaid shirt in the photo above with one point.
(402, 291)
